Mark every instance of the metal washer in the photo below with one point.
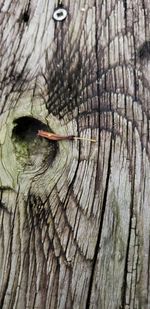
(59, 14)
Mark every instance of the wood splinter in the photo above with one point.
(57, 137)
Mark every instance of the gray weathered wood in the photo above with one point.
(74, 216)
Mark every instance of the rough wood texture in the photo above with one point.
(74, 216)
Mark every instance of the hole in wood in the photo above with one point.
(30, 149)
(26, 17)
(144, 50)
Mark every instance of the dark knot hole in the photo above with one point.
(31, 149)
(25, 16)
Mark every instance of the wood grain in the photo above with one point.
(74, 219)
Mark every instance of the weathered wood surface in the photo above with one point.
(75, 218)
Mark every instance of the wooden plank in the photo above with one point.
(74, 215)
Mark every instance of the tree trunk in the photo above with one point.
(74, 215)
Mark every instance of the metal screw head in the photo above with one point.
(59, 14)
